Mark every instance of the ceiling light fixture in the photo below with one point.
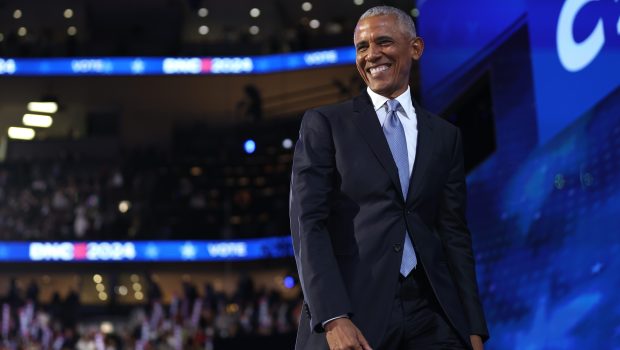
(43, 107)
(255, 12)
(18, 133)
(37, 120)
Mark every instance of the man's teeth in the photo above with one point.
(378, 69)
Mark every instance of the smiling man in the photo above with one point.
(377, 211)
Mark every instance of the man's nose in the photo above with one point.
(374, 53)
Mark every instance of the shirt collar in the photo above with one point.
(378, 101)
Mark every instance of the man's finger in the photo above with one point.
(362, 341)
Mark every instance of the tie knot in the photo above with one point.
(392, 105)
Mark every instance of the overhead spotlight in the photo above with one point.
(306, 6)
(254, 12)
(287, 143)
(68, 13)
(43, 107)
(17, 14)
(22, 31)
(72, 30)
(254, 30)
(122, 290)
(358, 2)
(249, 146)
(203, 12)
(314, 24)
(415, 12)
(1, 37)
(203, 30)
(124, 206)
(37, 120)
(18, 133)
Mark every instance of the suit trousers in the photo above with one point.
(417, 321)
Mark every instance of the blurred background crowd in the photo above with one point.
(195, 319)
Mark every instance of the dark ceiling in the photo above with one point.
(172, 27)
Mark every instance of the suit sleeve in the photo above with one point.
(312, 187)
(453, 230)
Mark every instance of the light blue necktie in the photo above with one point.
(395, 135)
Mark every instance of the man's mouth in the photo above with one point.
(376, 70)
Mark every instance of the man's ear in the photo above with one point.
(417, 48)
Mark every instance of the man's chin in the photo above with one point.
(379, 89)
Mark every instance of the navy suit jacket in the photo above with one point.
(348, 219)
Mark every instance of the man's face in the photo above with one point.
(384, 54)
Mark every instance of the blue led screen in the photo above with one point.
(544, 207)
(546, 238)
(145, 251)
(575, 49)
(575, 56)
(112, 66)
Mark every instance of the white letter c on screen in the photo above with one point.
(576, 56)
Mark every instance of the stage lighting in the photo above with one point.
(124, 206)
(43, 107)
(21, 133)
(37, 120)
(287, 143)
(289, 282)
(249, 146)
(122, 290)
(203, 30)
(314, 24)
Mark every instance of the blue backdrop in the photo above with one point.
(544, 208)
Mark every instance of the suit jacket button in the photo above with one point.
(397, 247)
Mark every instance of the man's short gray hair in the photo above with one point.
(404, 20)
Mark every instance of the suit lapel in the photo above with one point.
(424, 151)
(368, 124)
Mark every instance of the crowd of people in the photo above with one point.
(218, 194)
(193, 320)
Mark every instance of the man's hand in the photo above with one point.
(343, 335)
(476, 342)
